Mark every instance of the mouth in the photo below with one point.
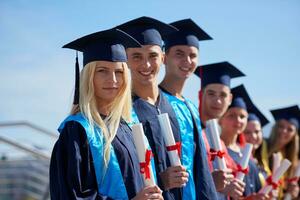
(185, 69)
(110, 88)
(145, 73)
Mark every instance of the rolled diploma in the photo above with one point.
(168, 136)
(288, 196)
(212, 132)
(276, 161)
(141, 147)
(285, 164)
(245, 160)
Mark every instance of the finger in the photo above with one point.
(181, 174)
(154, 196)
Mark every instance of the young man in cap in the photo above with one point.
(148, 101)
(181, 60)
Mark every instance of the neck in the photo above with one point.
(172, 85)
(149, 92)
(230, 140)
(103, 108)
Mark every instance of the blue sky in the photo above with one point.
(259, 37)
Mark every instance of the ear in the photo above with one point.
(164, 55)
(230, 98)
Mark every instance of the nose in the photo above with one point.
(147, 63)
(113, 77)
(188, 60)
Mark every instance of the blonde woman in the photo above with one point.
(95, 157)
(284, 139)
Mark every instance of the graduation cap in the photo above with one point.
(291, 114)
(108, 45)
(189, 34)
(242, 99)
(221, 73)
(147, 30)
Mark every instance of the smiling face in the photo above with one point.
(108, 80)
(253, 133)
(181, 61)
(144, 63)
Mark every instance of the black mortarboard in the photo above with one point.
(108, 45)
(242, 99)
(221, 73)
(291, 114)
(147, 30)
(189, 33)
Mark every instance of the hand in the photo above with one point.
(222, 178)
(234, 189)
(293, 189)
(174, 177)
(274, 194)
(257, 196)
(149, 192)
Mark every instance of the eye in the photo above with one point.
(136, 57)
(193, 55)
(119, 71)
(101, 70)
(179, 54)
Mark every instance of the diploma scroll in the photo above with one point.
(213, 135)
(273, 180)
(144, 154)
(173, 148)
(244, 161)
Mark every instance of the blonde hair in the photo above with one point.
(119, 108)
(289, 151)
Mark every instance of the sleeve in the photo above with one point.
(72, 173)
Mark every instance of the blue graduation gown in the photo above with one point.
(147, 115)
(200, 185)
(251, 179)
(73, 166)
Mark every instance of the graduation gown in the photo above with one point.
(251, 179)
(194, 157)
(146, 114)
(77, 165)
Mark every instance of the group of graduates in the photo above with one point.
(96, 157)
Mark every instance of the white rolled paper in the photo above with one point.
(245, 160)
(284, 165)
(141, 147)
(276, 161)
(168, 136)
(297, 172)
(213, 135)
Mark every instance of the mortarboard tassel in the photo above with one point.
(77, 74)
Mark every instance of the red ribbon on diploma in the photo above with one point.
(176, 147)
(240, 169)
(293, 179)
(213, 154)
(144, 166)
(272, 183)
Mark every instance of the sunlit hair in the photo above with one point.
(289, 151)
(120, 107)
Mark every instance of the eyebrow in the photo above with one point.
(178, 50)
(136, 54)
